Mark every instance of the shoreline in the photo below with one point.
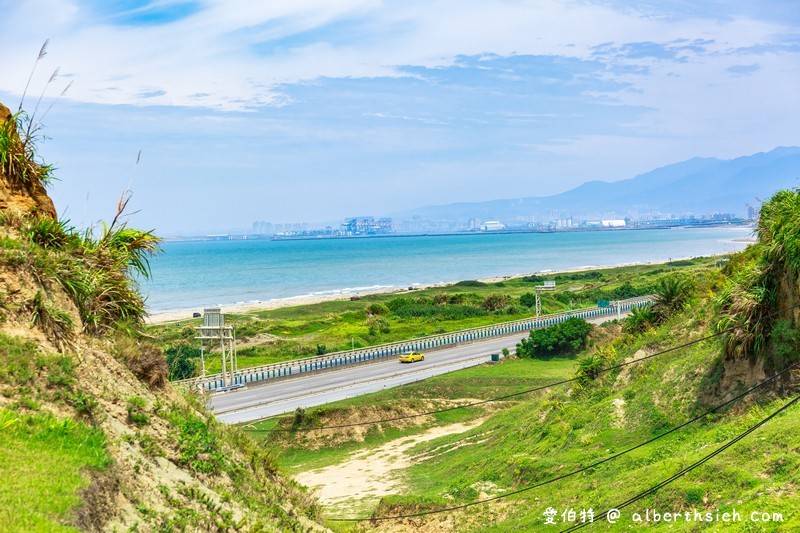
(177, 315)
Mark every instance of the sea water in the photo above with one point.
(204, 273)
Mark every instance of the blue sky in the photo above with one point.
(311, 110)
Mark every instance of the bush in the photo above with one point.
(589, 368)
(84, 404)
(377, 308)
(568, 337)
(528, 299)
(640, 319)
(672, 295)
(592, 275)
(181, 361)
(378, 324)
(470, 283)
(412, 309)
(145, 360)
(495, 301)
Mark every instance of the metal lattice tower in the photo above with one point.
(548, 286)
(213, 333)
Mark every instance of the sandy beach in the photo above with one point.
(249, 307)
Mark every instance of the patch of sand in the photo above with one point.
(367, 475)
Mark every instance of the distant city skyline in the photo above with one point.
(316, 111)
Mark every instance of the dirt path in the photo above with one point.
(365, 476)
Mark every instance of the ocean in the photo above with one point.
(197, 274)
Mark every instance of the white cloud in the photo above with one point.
(212, 51)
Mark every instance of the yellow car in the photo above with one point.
(410, 357)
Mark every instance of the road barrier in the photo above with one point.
(381, 352)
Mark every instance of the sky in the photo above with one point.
(316, 110)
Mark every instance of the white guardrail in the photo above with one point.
(307, 365)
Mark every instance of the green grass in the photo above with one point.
(555, 432)
(563, 432)
(44, 465)
(339, 325)
(478, 383)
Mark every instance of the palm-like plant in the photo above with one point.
(746, 304)
(112, 297)
(671, 295)
(589, 368)
(640, 319)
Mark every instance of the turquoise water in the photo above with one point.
(197, 274)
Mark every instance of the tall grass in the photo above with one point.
(18, 156)
(746, 306)
(97, 269)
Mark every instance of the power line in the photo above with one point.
(580, 470)
(515, 394)
(688, 469)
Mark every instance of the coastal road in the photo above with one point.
(262, 401)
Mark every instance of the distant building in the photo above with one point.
(493, 225)
(613, 223)
(367, 226)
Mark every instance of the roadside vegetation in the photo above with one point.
(529, 439)
(288, 333)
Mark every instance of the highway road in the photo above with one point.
(262, 401)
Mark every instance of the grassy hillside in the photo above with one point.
(92, 436)
(537, 437)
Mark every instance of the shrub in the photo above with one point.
(589, 368)
(181, 361)
(672, 294)
(457, 298)
(441, 298)
(378, 324)
(145, 360)
(560, 339)
(470, 283)
(640, 319)
(377, 308)
(496, 301)
(18, 153)
(592, 275)
(528, 299)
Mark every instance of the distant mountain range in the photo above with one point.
(699, 185)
